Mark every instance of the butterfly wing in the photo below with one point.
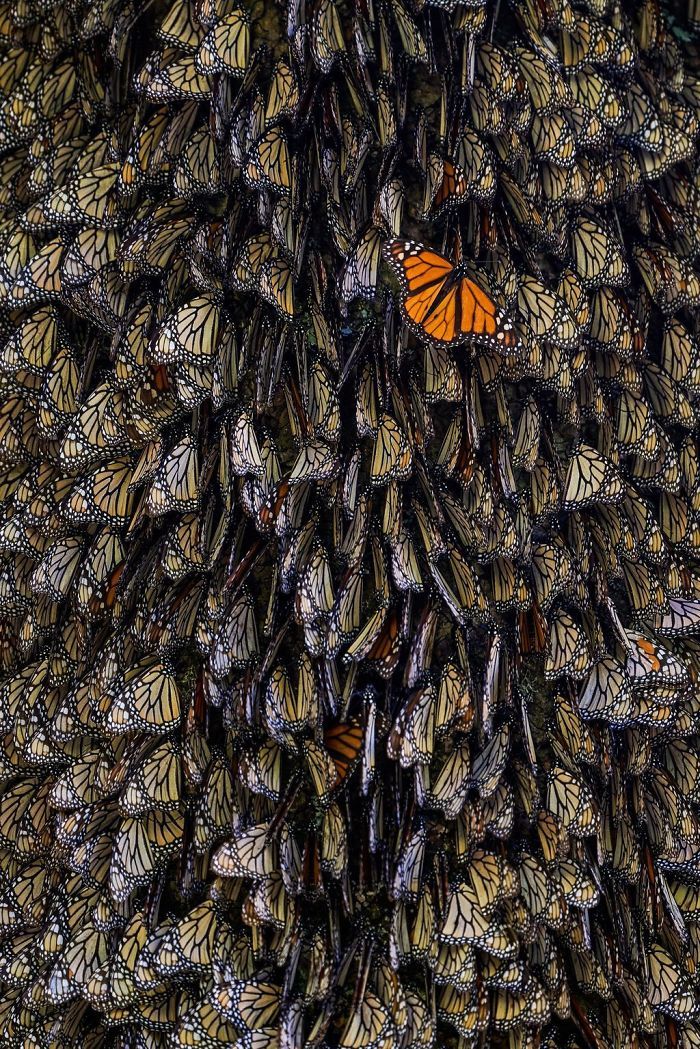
(441, 307)
(417, 267)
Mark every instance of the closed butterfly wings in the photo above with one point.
(443, 306)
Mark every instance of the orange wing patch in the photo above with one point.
(649, 650)
(477, 310)
(441, 322)
(418, 306)
(418, 269)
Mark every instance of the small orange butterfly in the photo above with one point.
(441, 304)
(451, 189)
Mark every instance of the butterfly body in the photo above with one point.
(444, 306)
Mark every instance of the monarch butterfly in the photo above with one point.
(141, 847)
(390, 205)
(669, 989)
(411, 37)
(55, 573)
(392, 458)
(682, 618)
(409, 867)
(441, 304)
(597, 257)
(460, 590)
(386, 113)
(454, 965)
(277, 286)
(679, 355)
(412, 737)
(527, 437)
(90, 196)
(369, 1025)
(323, 403)
(243, 447)
(186, 546)
(661, 471)
(591, 89)
(249, 855)
(40, 278)
(446, 186)
(462, 1011)
(442, 379)
(667, 398)
(188, 945)
(188, 1022)
(642, 124)
(669, 281)
(568, 653)
(547, 315)
(315, 594)
(146, 698)
(225, 47)
(344, 742)
(269, 164)
(179, 79)
(451, 785)
(466, 921)
(553, 141)
(103, 497)
(82, 956)
(327, 41)
(509, 587)
(316, 461)
(181, 29)
(334, 842)
(571, 801)
(530, 1005)
(176, 481)
(252, 1005)
(155, 783)
(590, 478)
(650, 665)
(283, 97)
(235, 644)
(682, 765)
(345, 618)
(547, 87)
(496, 68)
(215, 807)
(537, 890)
(121, 983)
(359, 277)
(269, 902)
(190, 335)
(489, 764)
(288, 710)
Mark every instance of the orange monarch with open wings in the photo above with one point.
(441, 304)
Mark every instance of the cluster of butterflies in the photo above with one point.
(349, 524)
